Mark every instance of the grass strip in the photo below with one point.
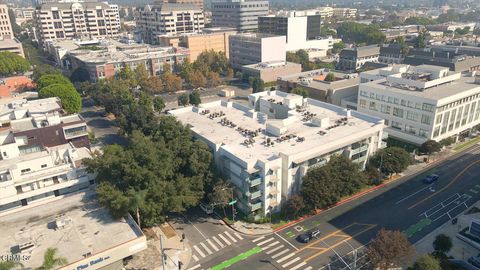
(237, 258)
(467, 144)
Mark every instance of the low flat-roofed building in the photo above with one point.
(445, 58)
(270, 71)
(14, 85)
(352, 59)
(344, 85)
(265, 149)
(11, 45)
(421, 103)
(252, 48)
(19, 108)
(80, 229)
(391, 54)
(467, 50)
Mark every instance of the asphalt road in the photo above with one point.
(407, 205)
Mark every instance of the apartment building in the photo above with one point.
(302, 31)
(168, 19)
(23, 15)
(41, 152)
(108, 62)
(58, 21)
(198, 3)
(252, 48)
(266, 148)
(391, 54)
(6, 31)
(329, 12)
(352, 59)
(239, 14)
(421, 103)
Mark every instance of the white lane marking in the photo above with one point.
(218, 242)
(275, 249)
(194, 267)
(224, 239)
(310, 268)
(280, 253)
(411, 195)
(286, 257)
(211, 244)
(291, 262)
(231, 237)
(266, 241)
(195, 227)
(206, 248)
(298, 266)
(270, 245)
(258, 239)
(195, 257)
(238, 236)
(199, 251)
(286, 241)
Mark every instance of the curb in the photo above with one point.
(238, 231)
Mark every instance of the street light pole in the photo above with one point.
(162, 252)
(233, 207)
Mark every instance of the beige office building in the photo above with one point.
(59, 21)
(198, 3)
(5, 26)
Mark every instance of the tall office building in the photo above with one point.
(161, 19)
(253, 48)
(198, 3)
(57, 21)
(240, 14)
(5, 26)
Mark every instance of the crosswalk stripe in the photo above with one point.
(230, 236)
(218, 242)
(199, 251)
(266, 241)
(224, 239)
(206, 248)
(195, 257)
(298, 266)
(275, 249)
(258, 239)
(308, 268)
(291, 262)
(270, 245)
(211, 244)
(278, 254)
(286, 257)
(238, 236)
(194, 267)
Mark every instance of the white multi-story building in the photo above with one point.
(352, 59)
(41, 152)
(265, 149)
(253, 48)
(421, 103)
(6, 31)
(58, 21)
(169, 20)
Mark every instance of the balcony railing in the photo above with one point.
(360, 159)
(359, 149)
(255, 206)
(255, 194)
(255, 182)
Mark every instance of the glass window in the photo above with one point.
(398, 112)
(373, 106)
(412, 116)
(428, 107)
(426, 119)
(422, 133)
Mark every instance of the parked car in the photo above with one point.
(475, 260)
(430, 178)
(206, 208)
(306, 237)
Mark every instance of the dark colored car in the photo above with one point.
(475, 261)
(430, 178)
(306, 237)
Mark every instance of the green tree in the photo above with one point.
(194, 98)
(426, 262)
(391, 160)
(186, 71)
(221, 195)
(153, 85)
(211, 61)
(198, 79)
(70, 98)
(294, 206)
(10, 265)
(429, 147)
(353, 32)
(183, 100)
(257, 84)
(213, 79)
(337, 47)
(172, 83)
(49, 79)
(11, 63)
(419, 21)
(128, 75)
(389, 249)
(80, 75)
(330, 77)
(300, 91)
(51, 261)
(42, 69)
(421, 40)
(158, 104)
(141, 75)
(442, 243)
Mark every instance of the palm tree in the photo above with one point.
(10, 265)
(50, 260)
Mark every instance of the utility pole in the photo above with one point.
(162, 252)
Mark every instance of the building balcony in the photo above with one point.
(255, 182)
(273, 191)
(255, 206)
(43, 174)
(254, 195)
(360, 149)
(273, 179)
(360, 159)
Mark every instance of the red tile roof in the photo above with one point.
(15, 84)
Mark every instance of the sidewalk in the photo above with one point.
(252, 228)
(173, 247)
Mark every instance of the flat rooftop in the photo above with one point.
(89, 229)
(233, 139)
(271, 65)
(32, 106)
(33, 122)
(316, 79)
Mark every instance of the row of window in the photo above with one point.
(398, 112)
(393, 100)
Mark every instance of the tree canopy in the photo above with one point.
(429, 147)
(353, 32)
(426, 262)
(194, 98)
(168, 166)
(54, 78)
(391, 160)
(324, 186)
(257, 84)
(442, 243)
(183, 99)
(70, 98)
(300, 91)
(389, 249)
(51, 261)
(80, 75)
(11, 63)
